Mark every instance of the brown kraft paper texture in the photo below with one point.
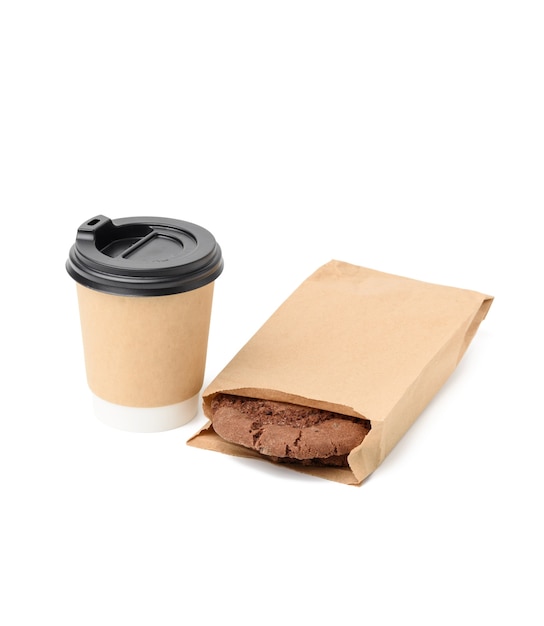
(145, 352)
(357, 342)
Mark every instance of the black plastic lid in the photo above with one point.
(143, 256)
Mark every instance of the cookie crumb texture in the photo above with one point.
(287, 432)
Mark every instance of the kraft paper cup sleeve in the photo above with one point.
(355, 341)
(130, 358)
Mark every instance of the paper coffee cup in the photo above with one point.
(145, 289)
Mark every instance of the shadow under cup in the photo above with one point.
(145, 290)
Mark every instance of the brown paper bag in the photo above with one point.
(357, 342)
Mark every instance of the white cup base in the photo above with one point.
(144, 419)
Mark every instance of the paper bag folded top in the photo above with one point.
(358, 342)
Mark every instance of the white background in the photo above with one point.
(402, 136)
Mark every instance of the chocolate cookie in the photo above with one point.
(287, 432)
